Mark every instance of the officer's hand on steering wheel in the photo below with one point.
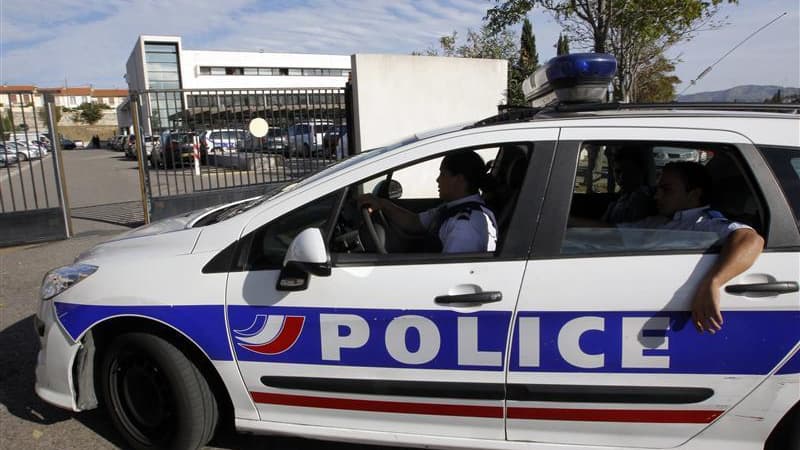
(369, 201)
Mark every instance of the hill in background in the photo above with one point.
(746, 93)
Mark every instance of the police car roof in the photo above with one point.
(608, 110)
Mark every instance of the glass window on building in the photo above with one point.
(295, 72)
(251, 71)
(217, 71)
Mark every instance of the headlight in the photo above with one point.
(59, 280)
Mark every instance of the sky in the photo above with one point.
(81, 42)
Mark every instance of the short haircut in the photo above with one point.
(468, 164)
(694, 176)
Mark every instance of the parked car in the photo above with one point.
(334, 141)
(25, 151)
(7, 159)
(665, 155)
(275, 141)
(223, 140)
(39, 146)
(305, 138)
(298, 312)
(119, 142)
(67, 144)
(176, 148)
(79, 143)
(129, 146)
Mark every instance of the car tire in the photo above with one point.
(155, 396)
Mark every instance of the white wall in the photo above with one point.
(191, 60)
(397, 96)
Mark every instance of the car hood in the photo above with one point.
(151, 246)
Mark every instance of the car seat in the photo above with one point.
(731, 193)
(507, 175)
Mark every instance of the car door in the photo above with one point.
(401, 343)
(602, 353)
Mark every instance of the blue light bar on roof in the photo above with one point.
(576, 78)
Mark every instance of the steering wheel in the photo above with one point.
(373, 235)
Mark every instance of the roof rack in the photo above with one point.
(790, 108)
(511, 114)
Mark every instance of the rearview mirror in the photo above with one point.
(306, 255)
(391, 189)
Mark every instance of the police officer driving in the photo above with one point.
(463, 223)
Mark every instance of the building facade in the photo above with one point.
(159, 66)
(72, 97)
(19, 96)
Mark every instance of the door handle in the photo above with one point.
(776, 287)
(479, 298)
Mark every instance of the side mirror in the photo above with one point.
(306, 255)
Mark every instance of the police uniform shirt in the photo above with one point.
(695, 219)
(471, 230)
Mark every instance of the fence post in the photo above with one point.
(58, 166)
(139, 142)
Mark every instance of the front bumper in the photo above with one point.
(54, 375)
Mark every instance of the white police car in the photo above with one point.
(292, 317)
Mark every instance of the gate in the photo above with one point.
(33, 203)
(198, 150)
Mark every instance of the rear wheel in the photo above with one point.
(156, 397)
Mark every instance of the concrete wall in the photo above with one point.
(399, 95)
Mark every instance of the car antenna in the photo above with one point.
(708, 69)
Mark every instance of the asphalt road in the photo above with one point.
(26, 422)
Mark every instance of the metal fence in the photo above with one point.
(32, 198)
(307, 131)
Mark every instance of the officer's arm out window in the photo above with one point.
(621, 203)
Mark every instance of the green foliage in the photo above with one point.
(562, 47)
(478, 44)
(6, 124)
(656, 82)
(90, 113)
(636, 32)
(528, 56)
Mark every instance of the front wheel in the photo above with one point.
(156, 397)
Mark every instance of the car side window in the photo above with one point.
(413, 187)
(266, 246)
(623, 203)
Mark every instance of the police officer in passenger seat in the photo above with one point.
(463, 223)
(682, 198)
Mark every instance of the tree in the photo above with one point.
(528, 56)
(636, 32)
(6, 124)
(90, 113)
(777, 98)
(482, 44)
(562, 47)
(656, 83)
(527, 63)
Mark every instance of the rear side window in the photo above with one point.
(615, 203)
(785, 164)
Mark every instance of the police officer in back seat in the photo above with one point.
(682, 197)
(463, 223)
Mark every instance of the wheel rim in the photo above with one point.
(142, 397)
